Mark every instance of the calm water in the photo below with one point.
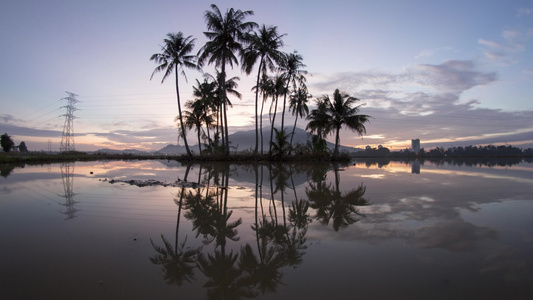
(367, 231)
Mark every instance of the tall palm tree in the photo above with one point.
(298, 104)
(343, 113)
(331, 115)
(195, 117)
(263, 46)
(278, 88)
(230, 86)
(226, 33)
(205, 99)
(293, 73)
(175, 57)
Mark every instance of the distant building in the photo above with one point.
(415, 145)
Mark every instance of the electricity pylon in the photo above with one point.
(67, 140)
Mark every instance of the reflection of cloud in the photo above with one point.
(510, 261)
(454, 236)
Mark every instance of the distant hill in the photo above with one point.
(172, 150)
(126, 151)
(240, 141)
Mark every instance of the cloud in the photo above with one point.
(159, 135)
(524, 11)
(28, 131)
(431, 52)
(452, 75)
(7, 118)
(424, 101)
(508, 50)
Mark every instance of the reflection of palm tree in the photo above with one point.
(177, 264)
(225, 281)
(331, 204)
(264, 272)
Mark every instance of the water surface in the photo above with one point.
(219, 231)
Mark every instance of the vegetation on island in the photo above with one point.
(233, 40)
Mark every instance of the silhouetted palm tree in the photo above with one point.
(293, 74)
(267, 89)
(195, 117)
(231, 86)
(298, 104)
(175, 57)
(263, 46)
(205, 100)
(226, 33)
(280, 146)
(331, 115)
(277, 89)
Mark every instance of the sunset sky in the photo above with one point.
(450, 73)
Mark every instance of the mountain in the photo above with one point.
(172, 150)
(245, 140)
(126, 151)
(239, 141)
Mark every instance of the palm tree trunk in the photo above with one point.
(337, 140)
(261, 121)
(199, 142)
(256, 105)
(284, 103)
(223, 98)
(293, 129)
(179, 115)
(272, 127)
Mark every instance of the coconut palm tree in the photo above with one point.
(266, 86)
(331, 115)
(195, 117)
(343, 113)
(226, 35)
(293, 73)
(263, 46)
(175, 57)
(277, 89)
(205, 100)
(298, 104)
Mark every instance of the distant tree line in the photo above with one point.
(468, 151)
(489, 150)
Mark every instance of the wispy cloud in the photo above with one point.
(523, 11)
(424, 101)
(431, 52)
(507, 51)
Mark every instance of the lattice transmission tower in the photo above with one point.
(67, 140)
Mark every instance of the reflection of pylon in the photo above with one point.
(67, 140)
(67, 175)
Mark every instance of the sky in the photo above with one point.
(450, 73)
